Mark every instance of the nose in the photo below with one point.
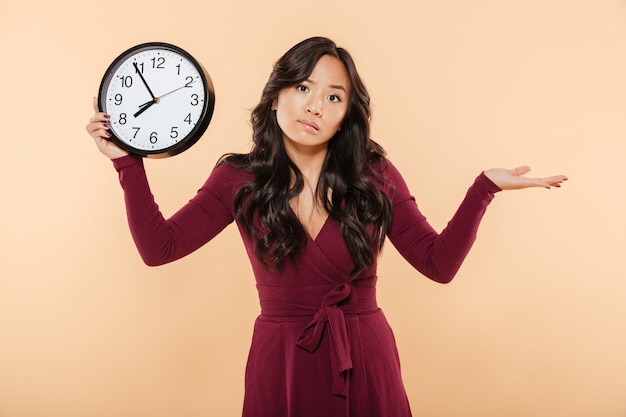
(314, 107)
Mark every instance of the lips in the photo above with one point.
(309, 125)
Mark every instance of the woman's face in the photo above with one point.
(310, 113)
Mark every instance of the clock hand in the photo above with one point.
(155, 100)
(145, 107)
(151, 102)
(173, 91)
(144, 80)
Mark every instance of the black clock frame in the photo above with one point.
(205, 116)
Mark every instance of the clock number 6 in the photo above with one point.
(153, 138)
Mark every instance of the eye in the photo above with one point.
(334, 98)
(302, 88)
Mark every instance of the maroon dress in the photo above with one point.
(321, 346)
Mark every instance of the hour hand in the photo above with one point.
(145, 106)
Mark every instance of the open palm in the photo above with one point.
(515, 179)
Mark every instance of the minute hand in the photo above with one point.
(144, 80)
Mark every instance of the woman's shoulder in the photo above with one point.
(234, 164)
(385, 175)
(383, 168)
(228, 174)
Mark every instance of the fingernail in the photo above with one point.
(107, 134)
(105, 125)
(106, 116)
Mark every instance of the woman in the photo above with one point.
(314, 200)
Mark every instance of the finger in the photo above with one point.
(98, 128)
(556, 180)
(100, 134)
(549, 182)
(519, 171)
(96, 109)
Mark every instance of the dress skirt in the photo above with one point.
(333, 363)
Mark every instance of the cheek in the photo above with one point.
(280, 118)
(283, 106)
(341, 117)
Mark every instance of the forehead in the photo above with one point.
(330, 71)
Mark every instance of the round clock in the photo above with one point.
(159, 97)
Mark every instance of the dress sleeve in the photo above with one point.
(438, 256)
(160, 240)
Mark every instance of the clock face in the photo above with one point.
(159, 97)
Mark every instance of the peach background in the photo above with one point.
(533, 325)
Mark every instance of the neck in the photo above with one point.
(309, 163)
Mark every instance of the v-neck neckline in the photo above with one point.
(306, 231)
(319, 232)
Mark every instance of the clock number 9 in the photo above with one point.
(118, 99)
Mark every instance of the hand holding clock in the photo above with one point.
(98, 129)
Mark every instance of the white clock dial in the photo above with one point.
(158, 97)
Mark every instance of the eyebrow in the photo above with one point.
(333, 86)
(338, 87)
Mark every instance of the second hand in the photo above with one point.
(156, 100)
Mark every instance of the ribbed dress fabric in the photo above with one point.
(321, 346)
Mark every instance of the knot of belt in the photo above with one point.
(310, 337)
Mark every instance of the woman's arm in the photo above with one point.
(440, 255)
(160, 240)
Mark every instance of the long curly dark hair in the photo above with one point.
(262, 206)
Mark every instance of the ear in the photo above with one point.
(274, 104)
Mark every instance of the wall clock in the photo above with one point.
(159, 97)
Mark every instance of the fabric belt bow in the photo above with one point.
(311, 336)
